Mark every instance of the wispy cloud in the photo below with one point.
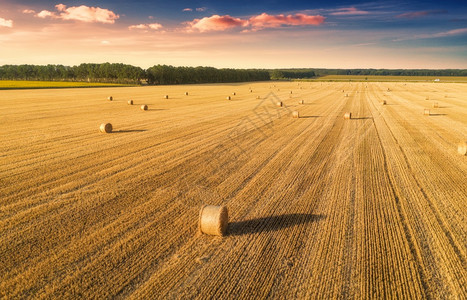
(81, 13)
(254, 23)
(453, 32)
(348, 11)
(153, 26)
(28, 11)
(188, 9)
(417, 14)
(201, 9)
(6, 23)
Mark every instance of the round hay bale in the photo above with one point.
(186, 93)
(301, 102)
(110, 98)
(228, 98)
(106, 128)
(130, 102)
(435, 105)
(384, 102)
(251, 91)
(348, 116)
(291, 92)
(234, 93)
(144, 107)
(426, 112)
(295, 114)
(462, 148)
(213, 220)
(258, 97)
(346, 95)
(166, 96)
(279, 103)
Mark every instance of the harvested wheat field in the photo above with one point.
(318, 207)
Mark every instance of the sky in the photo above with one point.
(236, 34)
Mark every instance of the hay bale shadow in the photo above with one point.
(309, 117)
(434, 115)
(127, 131)
(271, 223)
(362, 118)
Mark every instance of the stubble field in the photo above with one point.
(320, 207)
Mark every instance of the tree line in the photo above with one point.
(163, 74)
(122, 73)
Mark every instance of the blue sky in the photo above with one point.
(241, 34)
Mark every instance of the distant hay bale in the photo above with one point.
(435, 105)
(106, 128)
(426, 112)
(228, 98)
(234, 93)
(346, 95)
(186, 93)
(213, 220)
(130, 102)
(348, 116)
(258, 97)
(343, 91)
(384, 102)
(462, 148)
(144, 107)
(166, 96)
(295, 114)
(427, 98)
(291, 92)
(251, 91)
(301, 102)
(110, 98)
(389, 90)
(279, 103)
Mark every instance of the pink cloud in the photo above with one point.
(81, 13)
(216, 23)
(153, 26)
(28, 11)
(6, 23)
(348, 11)
(188, 9)
(416, 14)
(226, 22)
(273, 21)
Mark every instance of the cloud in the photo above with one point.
(348, 11)
(417, 14)
(254, 23)
(201, 9)
(81, 13)
(274, 21)
(28, 11)
(6, 23)
(216, 23)
(188, 9)
(448, 33)
(153, 26)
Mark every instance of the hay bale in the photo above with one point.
(144, 107)
(234, 93)
(346, 95)
(166, 96)
(295, 114)
(301, 102)
(186, 93)
(110, 98)
(106, 128)
(426, 112)
(213, 220)
(130, 102)
(251, 91)
(279, 103)
(348, 116)
(258, 97)
(462, 148)
(291, 92)
(384, 102)
(435, 105)
(228, 98)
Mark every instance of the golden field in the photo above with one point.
(319, 207)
